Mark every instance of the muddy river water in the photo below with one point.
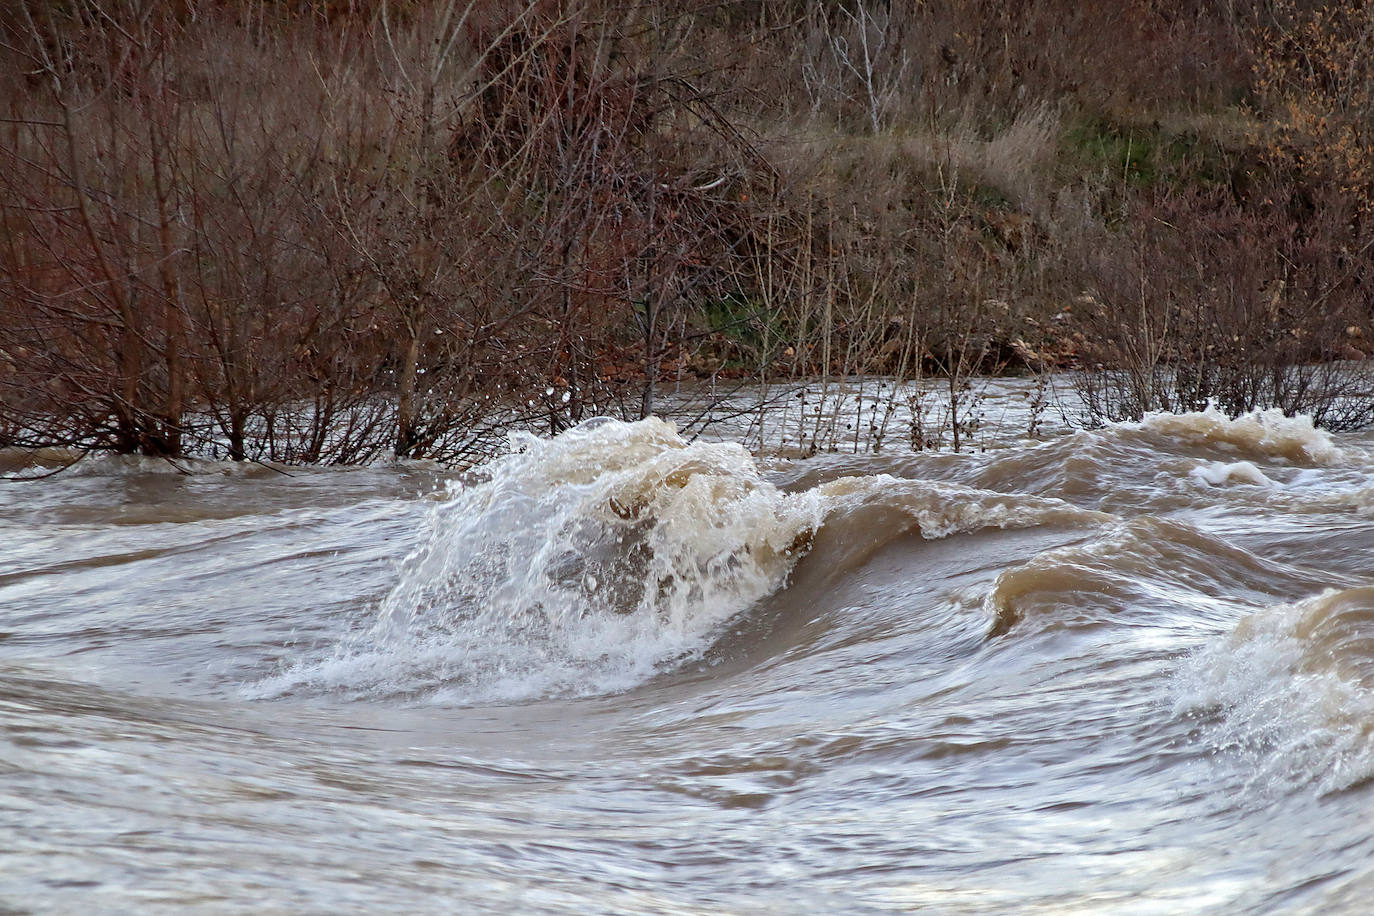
(1125, 670)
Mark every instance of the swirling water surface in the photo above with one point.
(1123, 670)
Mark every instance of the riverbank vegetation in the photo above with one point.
(335, 231)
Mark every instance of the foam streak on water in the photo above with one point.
(1125, 670)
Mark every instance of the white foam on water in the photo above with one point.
(1294, 687)
(1263, 434)
(1220, 473)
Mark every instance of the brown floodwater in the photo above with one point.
(1125, 670)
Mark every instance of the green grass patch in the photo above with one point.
(1139, 156)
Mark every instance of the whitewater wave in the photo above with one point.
(1262, 434)
(1292, 686)
(592, 561)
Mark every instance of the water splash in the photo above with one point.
(1293, 685)
(580, 564)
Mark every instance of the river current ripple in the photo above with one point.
(1126, 670)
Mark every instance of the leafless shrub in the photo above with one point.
(1209, 303)
(433, 221)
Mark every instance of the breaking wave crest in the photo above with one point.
(1261, 434)
(1293, 685)
(592, 561)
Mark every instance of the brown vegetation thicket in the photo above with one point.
(334, 231)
